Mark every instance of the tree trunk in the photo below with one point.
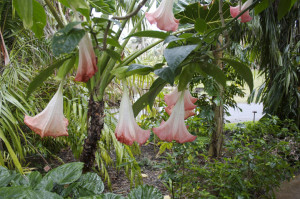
(96, 116)
(215, 148)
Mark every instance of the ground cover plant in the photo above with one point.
(94, 100)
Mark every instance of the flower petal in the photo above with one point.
(235, 11)
(51, 121)
(127, 130)
(164, 17)
(187, 113)
(4, 51)
(189, 100)
(87, 65)
(175, 128)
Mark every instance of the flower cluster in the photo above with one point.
(235, 11)
(180, 106)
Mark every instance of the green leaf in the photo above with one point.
(148, 98)
(24, 9)
(166, 74)
(243, 70)
(66, 39)
(104, 6)
(200, 25)
(90, 184)
(213, 71)
(39, 19)
(283, 8)
(113, 42)
(261, 6)
(150, 33)
(43, 75)
(66, 173)
(145, 192)
(175, 56)
(5, 176)
(120, 73)
(112, 196)
(66, 67)
(11, 152)
(26, 192)
(81, 6)
(171, 38)
(138, 69)
(186, 76)
(113, 54)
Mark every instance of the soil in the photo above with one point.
(120, 184)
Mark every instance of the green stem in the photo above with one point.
(53, 11)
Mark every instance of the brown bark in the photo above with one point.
(96, 116)
(215, 147)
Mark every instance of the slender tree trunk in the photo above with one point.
(215, 148)
(96, 116)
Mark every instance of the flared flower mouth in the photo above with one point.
(127, 130)
(51, 121)
(164, 17)
(235, 11)
(175, 128)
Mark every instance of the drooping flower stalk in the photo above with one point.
(235, 11)
(174, 128)
(164, 17)
(51, 121)
(4, 51)
(127, 130)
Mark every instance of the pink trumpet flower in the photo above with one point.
(4, 51)
(175, 128)
(51, 121)
(127, 130)
(87, 65)
(173, 97)
(163, 16)
(235, 11)
(187, 113)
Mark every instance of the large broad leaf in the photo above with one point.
(39, 19)
(150, 33)
(166, 74)
(65, 174)
(213, 71)
(5, 176)
(148, 98)
(24, 9)
(186, 76)
(243, 70)
(65, 68)
(283, 8)
(90, 184)
(145, 192)
(66, 39)
(175, 56)
(26, 192)
(113, 54)
(138, 69)
(261, 6)
(79, 5)
(43, 75)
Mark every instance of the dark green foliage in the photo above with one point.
(63, 182)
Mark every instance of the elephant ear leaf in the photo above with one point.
(243, 70)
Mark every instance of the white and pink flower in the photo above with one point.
(51, 121)
(189, 101)
(235, 11)
(127, 130)
(87, 65)
(163, 16)
(175, 128)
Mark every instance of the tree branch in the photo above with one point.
(53, 11)
(132, 13)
